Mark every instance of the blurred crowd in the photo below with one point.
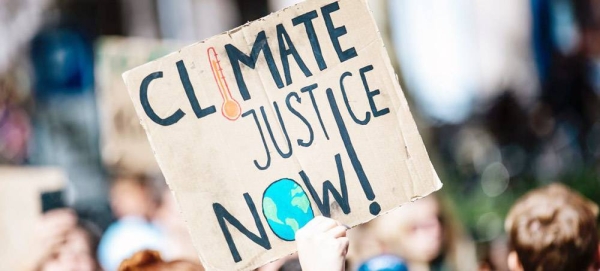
(506, 95)
(549, 228)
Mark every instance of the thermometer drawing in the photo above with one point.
(231, 108)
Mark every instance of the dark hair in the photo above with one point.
(291, 265)
(553, 228)
(587, 13)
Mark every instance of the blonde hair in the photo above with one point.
(376, 237)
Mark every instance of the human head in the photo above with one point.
(425, 233)
(150, 260)
(414, 231)
(552, 228)
(78, 251)
(133, 195)
(177, 240)
(587, 17)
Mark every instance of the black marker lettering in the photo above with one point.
(270, 130)
(344, 94)
(223, 215)
(302, 118)
(286, 51)
(310, 89)
(336, 33)
(146, 103)
(374, 208)
(236, 56)
(372, 93)
(262, 137)
(306, 19)
(189, 91)
(328, 187)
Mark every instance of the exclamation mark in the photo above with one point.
(374, 207)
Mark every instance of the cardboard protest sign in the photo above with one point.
(125, 146)
(20, 209)
(262, 128)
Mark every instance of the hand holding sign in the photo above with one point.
(322, 245)
(50, 233)
(313, 122)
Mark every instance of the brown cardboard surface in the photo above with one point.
(330, 132)
(124, 144)
(21, 207)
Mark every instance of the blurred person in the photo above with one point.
(492, 254)
(62, 243)
(425, 235)
(287, 263)
(15, 122)
(133, 196)
(15, 132)
(134, 204)
(553, 228)
(570, 92)
(290, 265)
(365, 245)
(149, 260)
(323, 245)
(148, 219)
(385, 262)
(177, 240)
(587, 16)
(65, 124)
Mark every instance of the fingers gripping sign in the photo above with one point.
(322, 245)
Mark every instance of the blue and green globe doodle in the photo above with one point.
(286, 208)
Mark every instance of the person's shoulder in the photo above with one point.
(125, 237)
(131, 226)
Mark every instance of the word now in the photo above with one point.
(323, 202)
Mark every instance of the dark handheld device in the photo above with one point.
(53, 200)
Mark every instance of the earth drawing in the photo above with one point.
(287, 208)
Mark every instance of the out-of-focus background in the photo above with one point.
(505, 93)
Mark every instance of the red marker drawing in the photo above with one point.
(231, 108)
